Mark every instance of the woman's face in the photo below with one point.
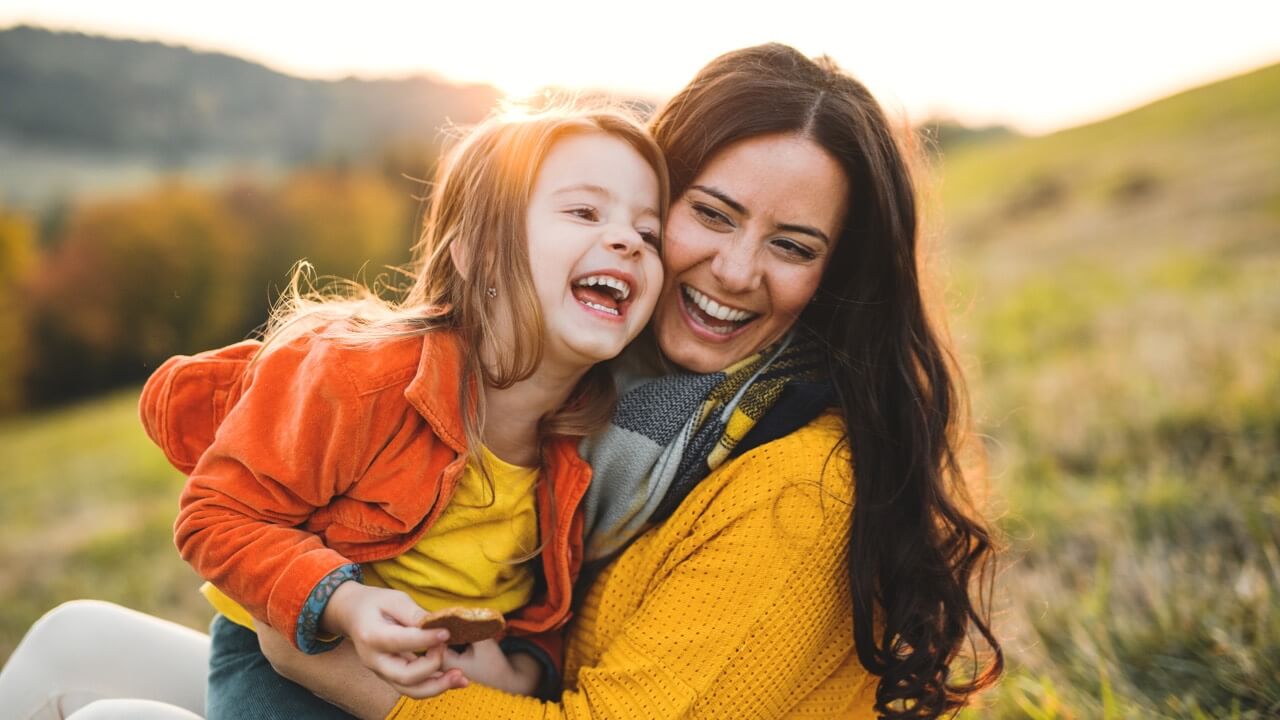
(745, 247)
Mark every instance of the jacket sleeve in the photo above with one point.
(187, 397)
(294, 440)
(739, 625)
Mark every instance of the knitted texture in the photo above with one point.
(737, 606)
(671, 429)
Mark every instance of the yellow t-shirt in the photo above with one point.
(470, 557)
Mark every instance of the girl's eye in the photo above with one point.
(794, 249)
(585, 212)
(651, 237)
(710, 215)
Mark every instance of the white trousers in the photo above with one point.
(91, 660)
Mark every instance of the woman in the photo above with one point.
(764, 589)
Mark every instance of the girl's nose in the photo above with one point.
(623, 239)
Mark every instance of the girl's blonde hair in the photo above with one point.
(470, 271)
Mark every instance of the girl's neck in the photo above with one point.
(511, 414)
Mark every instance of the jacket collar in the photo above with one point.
(433, 391)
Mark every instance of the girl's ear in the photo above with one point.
(459, 257)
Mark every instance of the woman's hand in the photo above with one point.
(382, 626)
(336, 676)
(485, 663)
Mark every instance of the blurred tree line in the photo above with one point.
(95, 294)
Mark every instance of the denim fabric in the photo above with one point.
(243, 685)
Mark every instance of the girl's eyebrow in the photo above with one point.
(584, 187)
(597, 190)
(742, 210)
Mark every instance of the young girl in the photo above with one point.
(369, 462)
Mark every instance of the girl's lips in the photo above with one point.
(600, 310)
(690, 313)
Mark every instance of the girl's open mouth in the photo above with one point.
(605, 293)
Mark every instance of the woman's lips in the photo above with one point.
(706, 326)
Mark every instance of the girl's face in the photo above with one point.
(593, 230)
(745, 247)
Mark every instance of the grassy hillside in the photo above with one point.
(1117, 286)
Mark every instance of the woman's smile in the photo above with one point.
(704, 315)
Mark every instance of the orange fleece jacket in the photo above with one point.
(321, 454)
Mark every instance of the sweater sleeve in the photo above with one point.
(293, 441)
(739, 621)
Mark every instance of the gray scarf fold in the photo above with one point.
(670, 431)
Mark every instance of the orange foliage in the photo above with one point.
(17, 257)
(179, 268)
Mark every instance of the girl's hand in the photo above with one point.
(485, 663)
(382, 626)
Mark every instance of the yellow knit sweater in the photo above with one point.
(737, 606)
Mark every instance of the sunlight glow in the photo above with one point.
(1032, 65)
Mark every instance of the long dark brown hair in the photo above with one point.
(920, 557)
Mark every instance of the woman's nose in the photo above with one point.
(736, 266)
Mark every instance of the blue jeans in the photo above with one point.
(244, 686)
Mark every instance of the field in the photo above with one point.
(1114, 294)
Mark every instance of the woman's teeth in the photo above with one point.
(715, 309)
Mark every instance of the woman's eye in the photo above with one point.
(709, 215)
(586, 213)
(794, 249)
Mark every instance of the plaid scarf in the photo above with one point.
(671, 430)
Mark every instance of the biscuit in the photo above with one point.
(466, 625)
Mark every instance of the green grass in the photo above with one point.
(1122, 334)
(88, 511)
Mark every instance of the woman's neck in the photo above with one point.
(511, 414)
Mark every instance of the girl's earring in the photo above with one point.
(492, 292)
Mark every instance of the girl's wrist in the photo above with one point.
(333, 621)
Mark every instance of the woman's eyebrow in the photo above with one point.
(722, 197)
(806, 230)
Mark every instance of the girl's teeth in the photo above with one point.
(715, 309)
(624, 290)
(601, 308)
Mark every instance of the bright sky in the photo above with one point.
(1034, 65)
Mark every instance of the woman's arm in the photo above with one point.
(746, 615)
(337, 676)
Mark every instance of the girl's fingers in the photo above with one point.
(431, 687)
(399, 671)
(403, 610)
(396, 639)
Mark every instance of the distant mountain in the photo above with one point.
(72, 92)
